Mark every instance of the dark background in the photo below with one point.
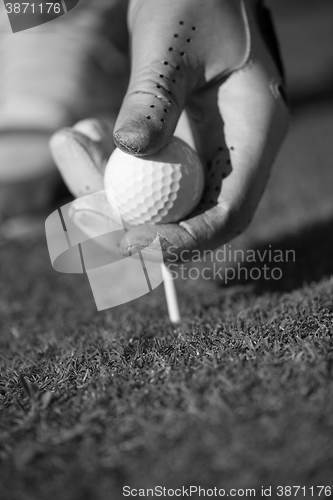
(300, 192)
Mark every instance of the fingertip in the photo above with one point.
(140, 139)
(133, 140)
(137, 239)
(79, 160)
(171, 239)
(142, 127)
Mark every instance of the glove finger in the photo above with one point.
(173, 53)
(81, 154)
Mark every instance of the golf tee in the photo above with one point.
(171, 295)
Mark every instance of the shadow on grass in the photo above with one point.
(313, 250)
(302, 258)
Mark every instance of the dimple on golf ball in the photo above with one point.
(156, 189)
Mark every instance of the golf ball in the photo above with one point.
(157, 189)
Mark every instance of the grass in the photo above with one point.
(239, 396)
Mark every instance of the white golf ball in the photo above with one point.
(156, 189)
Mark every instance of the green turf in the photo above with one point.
(239, 396)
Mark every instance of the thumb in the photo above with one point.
(160, 76)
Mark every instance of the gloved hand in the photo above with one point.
(219, 62)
